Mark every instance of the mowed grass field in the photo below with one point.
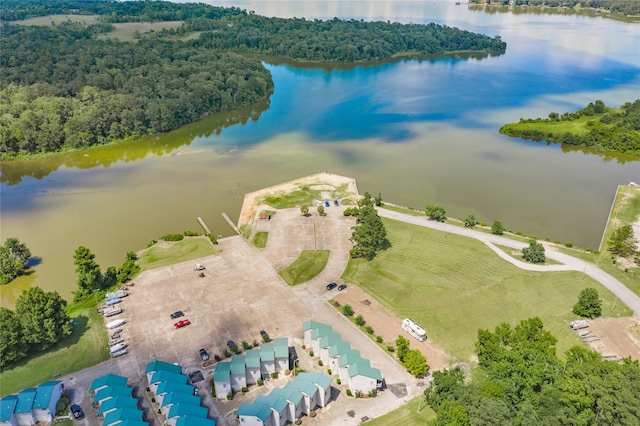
(86, 346)
(454, 286)
(58, 19)
(168, 253)
(131, 31)
(309, 264)
(407, 415)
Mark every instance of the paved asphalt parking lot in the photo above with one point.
(240, 295)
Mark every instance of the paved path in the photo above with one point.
(569, 263)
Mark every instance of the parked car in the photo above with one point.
(331, 286)
(326, 204)
(204, 355)
(199, 267)
(77, 412)
(182, 323)
(342, 287)
(231, 344)
(335, 203)
(177, 314)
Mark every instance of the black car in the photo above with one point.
(204, 355)
(76, 411)
(177, 314)
(331, 286)
(342, 287)
(231, 344)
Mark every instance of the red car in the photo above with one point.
(182, 323)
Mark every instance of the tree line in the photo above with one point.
(605, 129)
(523, 382)
(624, 7)
(68, 87)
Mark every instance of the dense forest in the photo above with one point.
(521, 381)
(595, 126)
(624, 7)
(72, 86)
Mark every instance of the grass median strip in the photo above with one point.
(309, 264)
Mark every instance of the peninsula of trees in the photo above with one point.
(74, 85)
(596, 126)
(623, 7)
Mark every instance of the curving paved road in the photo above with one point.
(570, 263)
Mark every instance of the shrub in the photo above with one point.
(287, 372)
(234, 349)
(320, 363)
(226, 353)
(274, 375)
(159, 411)
(329, 371)
(229, 396)
(338, 381)
(62, 404)
(312, 413)
(148, 389)
(152, 242)
(298, 422)
(568, 245)
(172, 237)
(347, 310)
(245, 389)
(310, 353)
(254, 343)
(368, 329)
(153, 399)
(349, 392)
(373, 393)
(245, 345)
(534, 253)
(335, 303)
(217, 357)
(390, 348)
(379, 339)
(358, 394)
(265, 337)
(304, 347)
(188, 233)
(259, 382)
(359, 320)
(589, 304)
(212, 238)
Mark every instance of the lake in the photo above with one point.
(419, 132)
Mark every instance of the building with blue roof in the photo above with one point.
(363, 377)
(7, 410)
(117, 402)
(174, 398)
(278, 406)
(222, 379)
(322, 382)
(181, 410)
(267, 359)
(295, 401)
(111, 392)
(281, 353)
(24, 408)
(335, 352)
(157, 365)
(47, 396)
(131, 422)
(251, 414)
(252, 360)
(106, 381)
(168, 387)
(309, 394)
(166, 376)
(194, 421)
(325, 343)
(122, 414)
(238, 373)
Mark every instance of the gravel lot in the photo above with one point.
(240, 295)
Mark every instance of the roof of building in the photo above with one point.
(311, 325)
(260, 411)
(195, 421)
(320, 379)
(180, 398)
(120, 401)
(288, 394)
(281, 347)
(252, 358)
(157, 365)
(330, 339)
(7, 407)
(25, 400)
(237, 364)
(222, 373)
(274, 402)
(167, 376)
(363, 368)
(108, 380)
(131, 422)
(303, 386)
(44, 393)
(169, 386)
(112, 392)
(319, 332)
(122, 414)
(339, 348)
(179, 410)
(349, 357)
(267, 352)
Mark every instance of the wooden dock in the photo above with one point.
(231, 224)
(204, 226)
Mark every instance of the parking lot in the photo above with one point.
(240, 295)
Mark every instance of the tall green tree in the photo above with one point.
(416, 363)
(12, 347)
(497, 228)
(435, 212)
(89, 276)
(369, 235)
(13, 259)
(43, 318)
(589, 304)
(622, 241)
(402, 348)
(470, 221)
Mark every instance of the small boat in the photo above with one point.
(633, 184)
(117, 347)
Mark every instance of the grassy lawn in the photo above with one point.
(62, 422)
(304, 195)
(58, 19)
(309, 264)
(86, 346)
(131, 31)
(168, 253)
(517, 254)
(407, 415)
(453, 286)
(260, 239)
